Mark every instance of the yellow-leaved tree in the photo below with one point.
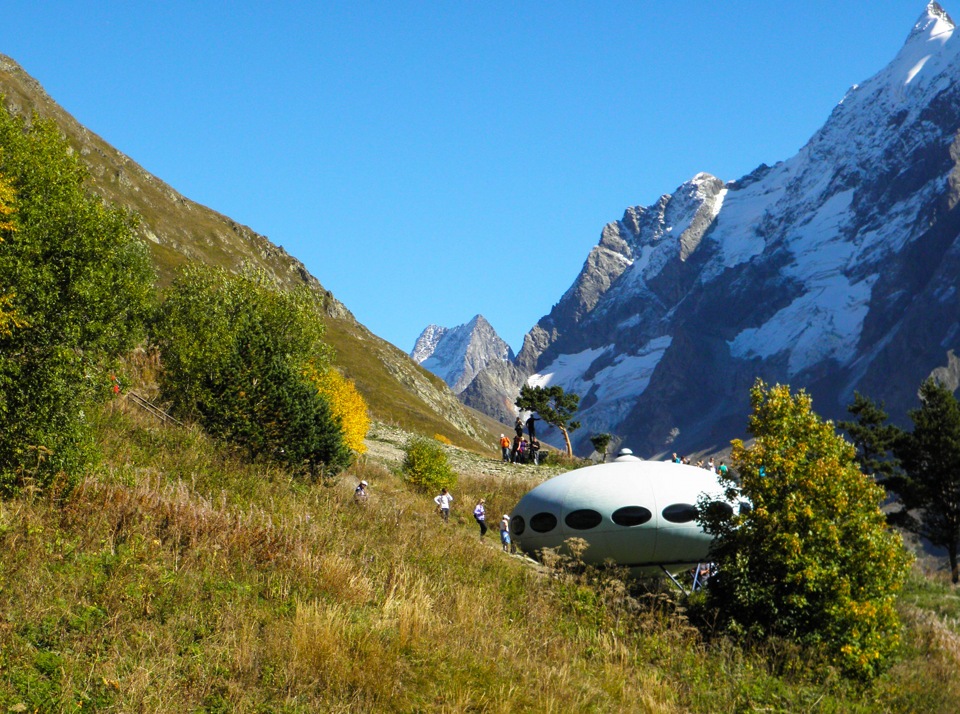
(346, 403)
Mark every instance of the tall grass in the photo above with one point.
(181, 578)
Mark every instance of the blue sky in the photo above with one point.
(431, 161)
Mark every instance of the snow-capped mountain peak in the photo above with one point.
(458, 354)
(809, 272)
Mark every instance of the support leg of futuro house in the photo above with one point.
(675, 581)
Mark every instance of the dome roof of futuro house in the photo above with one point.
(635, 513)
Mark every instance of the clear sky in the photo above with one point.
(428, 161)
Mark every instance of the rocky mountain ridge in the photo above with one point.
(833, 271)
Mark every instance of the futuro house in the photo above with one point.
(639, 514)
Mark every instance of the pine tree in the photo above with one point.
(555, 406)
(873, 438)
(600, 442)
(929, 488)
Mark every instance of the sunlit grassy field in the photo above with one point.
(180, 578)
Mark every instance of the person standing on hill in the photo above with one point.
(480, 514)
(518, 427)
(443, 502)
(532, 427)
(505, 532)
(505, 447)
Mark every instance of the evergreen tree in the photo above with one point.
(813, 559)
(600, 442)
(873, 438)
(555, 406)
(929, 487)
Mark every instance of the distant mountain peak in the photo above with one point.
(458, 354)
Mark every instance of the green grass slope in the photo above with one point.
(179, 578)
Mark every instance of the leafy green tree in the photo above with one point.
(426, 467)
(234, 350)
(555, 406)
(76, 285)
(600, 442)
(929, 487)
(873, 437)
(813, 560)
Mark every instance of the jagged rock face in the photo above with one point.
(458, 354)
(832, 271)
(494, 390)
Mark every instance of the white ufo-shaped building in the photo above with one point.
(635, 513)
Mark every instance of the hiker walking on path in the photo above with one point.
(360, 493)
(480, 513)
(505, 532)
(443, 502)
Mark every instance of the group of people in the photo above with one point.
(711, 466)
(444, 500)
(520, 450)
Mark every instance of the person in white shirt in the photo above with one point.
(443, 502)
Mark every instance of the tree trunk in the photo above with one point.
(566, 438)
(954, 572)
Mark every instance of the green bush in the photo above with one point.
(234, 349)
(425, 466)
(813, 561)
(75, 287)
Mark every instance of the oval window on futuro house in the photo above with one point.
(680, 513)
(543, 522)
(719, 509)
(583, 520)
(517, 525)
(631, 516)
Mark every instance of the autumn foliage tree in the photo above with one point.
(813, 560)
(346, 403)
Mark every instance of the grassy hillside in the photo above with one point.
(177, 231)
(179, 578)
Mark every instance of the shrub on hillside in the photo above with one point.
(346, 403)
(233, 349)
(813, 561)
(75, 286)
(426, 467)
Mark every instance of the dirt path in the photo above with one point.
(385, 444)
